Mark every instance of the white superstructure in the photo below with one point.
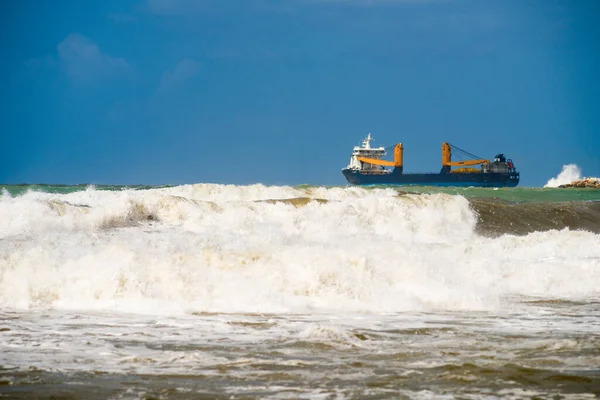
(368, 152)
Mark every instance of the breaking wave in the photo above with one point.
(568, 174)
(218, 248)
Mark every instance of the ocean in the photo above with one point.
(278, 292)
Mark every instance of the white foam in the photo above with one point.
(568, 174)
(203, 248)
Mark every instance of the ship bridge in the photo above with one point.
(365, 151)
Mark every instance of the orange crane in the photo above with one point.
(398, 158)
(447, 157)
(447, 162)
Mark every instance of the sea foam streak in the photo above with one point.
(216, 248)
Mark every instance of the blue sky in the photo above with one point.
(278, 92)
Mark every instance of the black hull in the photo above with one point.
(396, 177)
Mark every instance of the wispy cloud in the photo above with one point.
(371, 2)
(121, 18)
(191, 7)
(183, 71)
(84, 61)
(175, 7)
(40, 62)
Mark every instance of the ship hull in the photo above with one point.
(396, 177)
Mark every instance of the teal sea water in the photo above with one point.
(233, 291)
(16, 190)
(515, 195)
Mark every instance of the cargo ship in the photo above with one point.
(368, 167)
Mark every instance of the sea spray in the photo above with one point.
(568, 174)
(215, 248)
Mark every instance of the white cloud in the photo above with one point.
(183, 71)
(83, 60)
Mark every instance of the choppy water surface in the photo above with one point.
(276, 292)
(544, 349)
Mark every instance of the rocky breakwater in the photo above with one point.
(583, 183)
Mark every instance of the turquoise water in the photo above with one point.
(513, 195)
(519, 194)
(18, 190)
